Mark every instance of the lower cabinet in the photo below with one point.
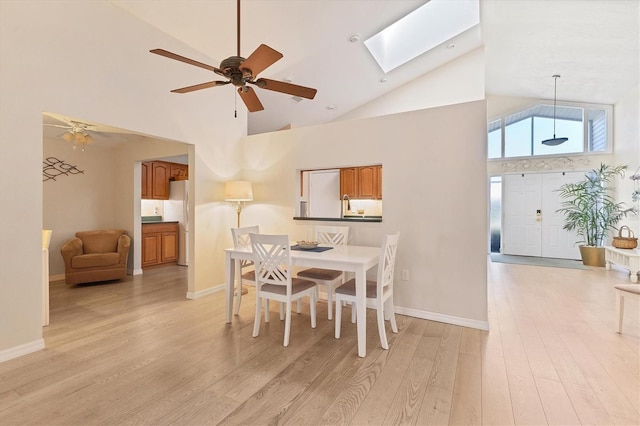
(159, 244)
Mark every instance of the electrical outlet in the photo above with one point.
(405, 275)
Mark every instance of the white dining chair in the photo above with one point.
(380, 292)
(272, 260)
(241, 239)
(332, 235)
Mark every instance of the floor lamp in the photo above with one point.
(238, 191)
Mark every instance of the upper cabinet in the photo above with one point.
(349, 182)
(156, 176)
(179, 171)
(361, 182)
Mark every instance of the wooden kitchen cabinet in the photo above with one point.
(146, 181)
(379, 195)
(349, 182)
(156, 176)
(159, 244)
(160, 172)
(179, 171)
(361, 182)
(368, 182)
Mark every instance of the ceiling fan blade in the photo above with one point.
(289, 88)
(250, 99)
(261, 58)
(200, 86)
(57, 125)
(177, 57)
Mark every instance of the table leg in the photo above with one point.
(361, 311)
(230, 267)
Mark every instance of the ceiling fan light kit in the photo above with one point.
(240, 71)
(554, 141)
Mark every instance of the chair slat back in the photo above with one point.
(333, 235)
(387, 262)
(241, 239)
(272, 257)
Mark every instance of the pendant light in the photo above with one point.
(555, 141)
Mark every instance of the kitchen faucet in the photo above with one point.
(342, 204)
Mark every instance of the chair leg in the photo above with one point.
(281, 311)
(381, 330)
(256, 320)
(266, 310)
(299, 306)
(390, 311)
(287, 324)
(329, 301)
(238, 297)
(312, 303)
(338, 318)
(620, 309)
(353, 312)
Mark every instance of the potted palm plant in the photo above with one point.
(590, 210)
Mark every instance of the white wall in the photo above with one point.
(105, 74)
(626, 136)
(436, 200)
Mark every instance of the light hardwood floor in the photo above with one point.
(138, 352)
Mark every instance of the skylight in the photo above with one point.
(423, 29)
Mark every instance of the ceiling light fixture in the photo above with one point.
(554, 141)
(78, 136)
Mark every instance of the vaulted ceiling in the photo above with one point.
(593, 44)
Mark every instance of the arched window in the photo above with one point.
(520, 134)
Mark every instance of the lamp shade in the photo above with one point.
(238, 190)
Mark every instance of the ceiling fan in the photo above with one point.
(240, 71)
(77, 133)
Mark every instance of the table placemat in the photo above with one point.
(317, 249)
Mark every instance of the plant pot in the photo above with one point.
(592, 256)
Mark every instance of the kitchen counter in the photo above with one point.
(153, 222)
(155, 219)
(343, 219)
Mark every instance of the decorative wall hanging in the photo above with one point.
(564, 163)
(52, 168)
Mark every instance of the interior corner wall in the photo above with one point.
(117, 83)
(434, 194)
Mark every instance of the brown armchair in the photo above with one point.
(96, 256)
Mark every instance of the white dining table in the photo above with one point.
(356, 259)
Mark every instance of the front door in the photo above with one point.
(531, 225)
(557, 242)
(521, 207)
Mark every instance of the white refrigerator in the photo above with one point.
(176, 208)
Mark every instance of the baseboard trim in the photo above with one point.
(136, 272)
(205, 292)
(447, 319)
(59, 277)
(18, 351)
